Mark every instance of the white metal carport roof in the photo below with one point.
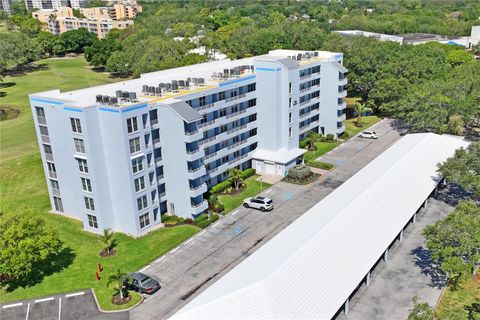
(310, 269)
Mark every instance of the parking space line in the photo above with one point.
(172, 251)
(144, 268)
(159, 259)
(75, 294)
(216, 224)
(28, 311)
(201, 233)
(13, 305)
(235, 212)
(268, 190)
(59, 308)
(44, 300)
(188, 241)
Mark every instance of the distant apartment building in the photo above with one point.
(45, 4)
(62, 20)
(116, 12)
(5, 5)
(121, 155)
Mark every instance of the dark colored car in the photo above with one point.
(142, 283)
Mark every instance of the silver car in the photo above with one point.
(368, 135)
(261, 203)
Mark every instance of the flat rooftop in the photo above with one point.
(211, 73)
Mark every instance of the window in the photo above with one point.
(221, 95)
(290, 117)
(137, 165)
(251, 87)
(290, 132)
(252, 102)
(79, 145)
(57, 202)
(47, 149)
(142, 202)
(43, 130)
(172, 208)
(144, 220)
(92, 221)
(290, 103)
(86, 185)
(54, 184)
(76, 126)
(223, 112)
(89, 205)
(40, 112)
(139, 184)
(202, 101)
(134, 145)
(82, 165)
(51, 167)
(132, 125)
(290, 87)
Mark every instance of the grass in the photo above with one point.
(17, 136)
(321, 149)
(254, 187)
(454, 301)
(23, 184)
(367, 121)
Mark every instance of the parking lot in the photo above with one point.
(201, 260)
(71, 306)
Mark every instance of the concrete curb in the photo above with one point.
(115, 311)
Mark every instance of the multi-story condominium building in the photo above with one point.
(120, 155)
(45, 4)
(65, 21)
(116, 12)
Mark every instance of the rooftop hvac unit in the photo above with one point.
(158, 91)
(106, 99)
(125, 95)
(214, 75)
(144, 88)
(252, 67)
(194, 80)
(299, 57)
(162, 85)
(99, 98)
(118, 93)
(151, 89)
(181, 83)
(132, 95)
(113, 100)
(232, 72)
(168, 86)
(220, 75)
(187, 83)
(201, 81)
(225, 71)
(189, 79)
(315, 53)
(174, 85)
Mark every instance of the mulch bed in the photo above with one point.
(8, 112)
(309, 179)
(105, 253)
(117, 300)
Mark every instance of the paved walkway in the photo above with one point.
(200, 261)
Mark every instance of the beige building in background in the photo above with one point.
(116, 12)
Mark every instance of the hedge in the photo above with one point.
(320, 165)
(214, 217)
(247, 173)
(219, 187)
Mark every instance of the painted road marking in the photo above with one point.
(268, 190)
(75, 294)
(28, 311)
(216, 224)
(44, 300)
(144, 268)
(160, 259)
(201, 233)
(235, 212)
(13, 305)
(59, 308)
(172, 251)
(188, 241)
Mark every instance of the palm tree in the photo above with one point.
(118, 279)
(107, 239)
(360, 108)
(236, 175)
(312, 137)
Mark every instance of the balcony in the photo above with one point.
(342, 117)
(206, 141)
(342, 82)
(52, 174)
(342, 106)
(198, 190)
(195, 154)
(342, 94)
(200, 207)
(158, 161)
(49, 156)
(193, 136)
(41, 120)
(162, 196)
(45, 139)
(196, 173)
(340, 129)
(155, 124)
(310, 113)
(309, 126)
(307, 76)
(206, 124)
(240, 96)
(56, 192)
(161, 179)
(156, 143)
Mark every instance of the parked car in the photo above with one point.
(142, 283)
(368, 135)
(261, 203)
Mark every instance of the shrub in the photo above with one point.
(214, 217)
(221, 186)
(188, 221)
(247, 173)
(303, 143)
(201, 218)
(330, 137)
(345, 135)
(202, 223)
(299, 172)
(228, 190)
(320, 165)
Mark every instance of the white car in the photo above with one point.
(368, 135)
(261, 203)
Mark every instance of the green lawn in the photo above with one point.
(321, 149)
(353, 130)
(17, 136)
(254, 187)
(23, 184)
(454, 301)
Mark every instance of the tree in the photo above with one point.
(458, 57)
(312, 137)
(420, 311)
(17, 49)
(25, 241)
(236, 176)
(464, 168)
(360, 109)
(455, 241)
(76, 40)
(118, 280)
(107, 240)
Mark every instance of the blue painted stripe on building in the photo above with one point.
(226, 83)
(134, 108)
(266, 69)
(109, 110)
(72, 109)
(47, 101)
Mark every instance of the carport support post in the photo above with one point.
(367, 280)
(401, 235)
(414, 220)
(425, 203)
(345, 307)
(385, 256)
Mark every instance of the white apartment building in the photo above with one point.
(45, 4)
(120, 155)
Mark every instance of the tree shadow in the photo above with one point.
(7, 84)
(452, 194)
(473, 311)
(52, 264)
(27, 68)
(423, 260)
(401, 127)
